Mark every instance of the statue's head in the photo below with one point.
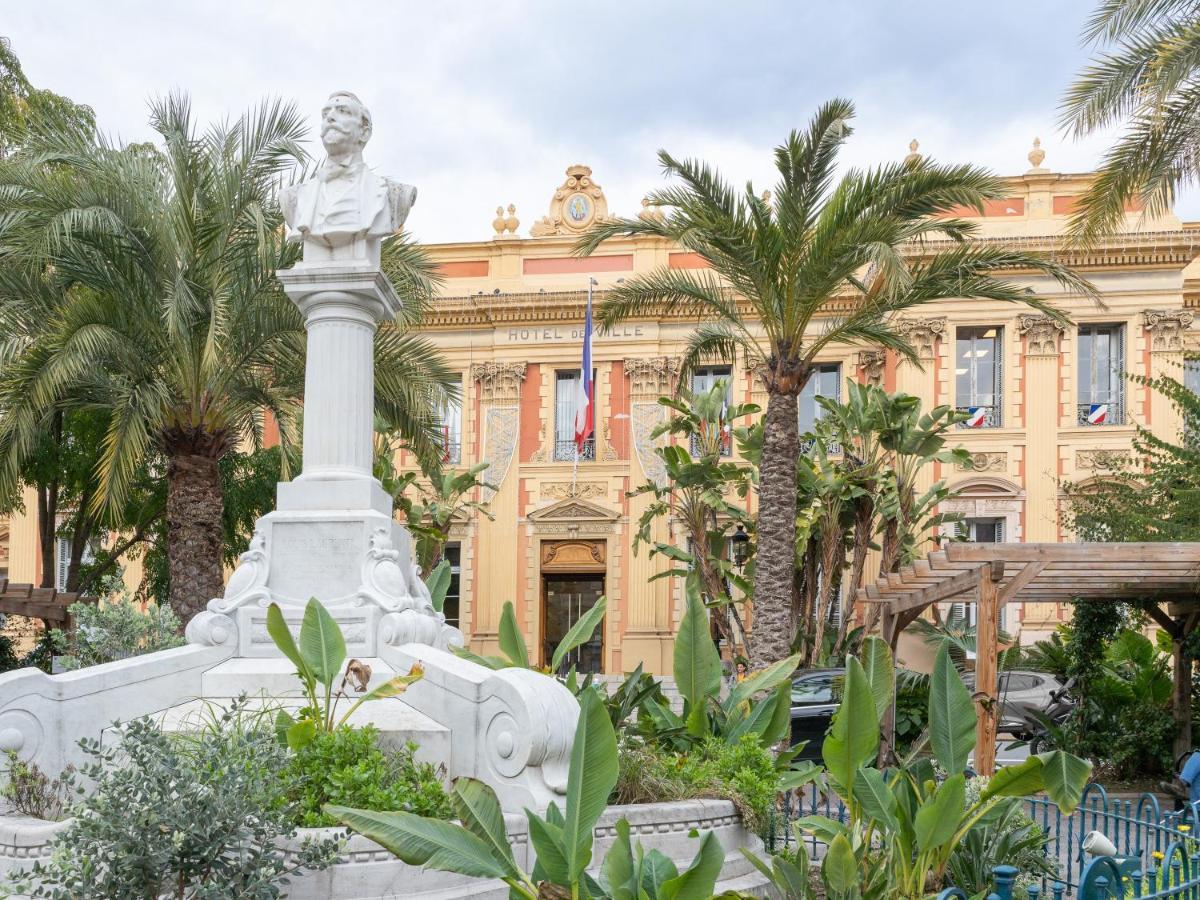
(345, 124)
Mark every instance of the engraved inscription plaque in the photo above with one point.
(316, 559)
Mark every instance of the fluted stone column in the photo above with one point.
(342, 309)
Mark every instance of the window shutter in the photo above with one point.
(1119, 376)
(1000, 537)
(998, 389)
(564, 407)
(62, 563)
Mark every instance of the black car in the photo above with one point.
(816, 694)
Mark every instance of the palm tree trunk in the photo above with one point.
(774, 622)
(195, 508)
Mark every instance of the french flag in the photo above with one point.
(976, 417)
(1098, 413)
(587, 390)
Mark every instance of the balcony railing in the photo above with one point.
(726, 444)
(832, 448)
(990, 416)
(1102, 413)
(565, 451)
(452, 452)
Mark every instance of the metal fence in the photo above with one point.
(1157, 850)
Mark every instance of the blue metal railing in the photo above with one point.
(1157, 851)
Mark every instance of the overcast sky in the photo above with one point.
(480, 104)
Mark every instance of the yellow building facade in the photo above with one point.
(1049, 404)
(1052, 403)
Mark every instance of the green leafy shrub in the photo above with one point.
(743, 772)
(119, 629)
(347, 767)
(1007, 836)
(562, 840)
(32, 792)
(197, 817)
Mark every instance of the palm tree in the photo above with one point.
(175, 325)
(1148, 81)
(881, 241)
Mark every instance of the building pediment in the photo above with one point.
(573, 510)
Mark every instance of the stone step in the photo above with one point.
(273, 675)
(271, 684)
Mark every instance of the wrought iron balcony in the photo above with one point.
(726, 444)
(565, 451)
(991, 416)
(1113, 415)
(452, 452)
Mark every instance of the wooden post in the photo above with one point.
(887, 725)
(986, 640)
(1181, 688)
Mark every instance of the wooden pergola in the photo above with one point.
(994, 575)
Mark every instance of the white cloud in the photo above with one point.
(482, 104)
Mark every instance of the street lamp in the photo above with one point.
(741, 547)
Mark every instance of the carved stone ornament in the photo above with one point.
(651, 377)
(873, 362)
(573, 517)
(498, 382)
(1111, 460)
(922, 333)
(566, 554)
(985, 462)
(1167, 328)
(572, 490)
(501, 425)
(576, 204)
(1041, 334)
(650, 213)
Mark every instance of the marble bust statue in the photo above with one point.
(346, 210)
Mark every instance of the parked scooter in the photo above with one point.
(1034, 726)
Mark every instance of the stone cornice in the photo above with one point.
(1127, 250)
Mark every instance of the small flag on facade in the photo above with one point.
(976, 417)
(1098, 413)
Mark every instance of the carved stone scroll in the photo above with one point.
(1041, 334)
(1167, 328)
(985, 462)
(922, 333)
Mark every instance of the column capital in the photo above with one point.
(1167, 327)
(922, 333)
(1041, 334)
(498, 382)
(651, 376)
(337, 289)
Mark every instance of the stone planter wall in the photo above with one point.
(368, 872)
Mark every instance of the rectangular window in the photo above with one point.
(566, 407)
(825, 381)
(704, 379)
(1101, 385)
(453, 554)
(1191, 375)
(450, 416)
(978, 376)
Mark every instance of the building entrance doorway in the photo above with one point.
(565, 598)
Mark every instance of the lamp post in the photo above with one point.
(741, 547)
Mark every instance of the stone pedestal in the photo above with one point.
(332, 535)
